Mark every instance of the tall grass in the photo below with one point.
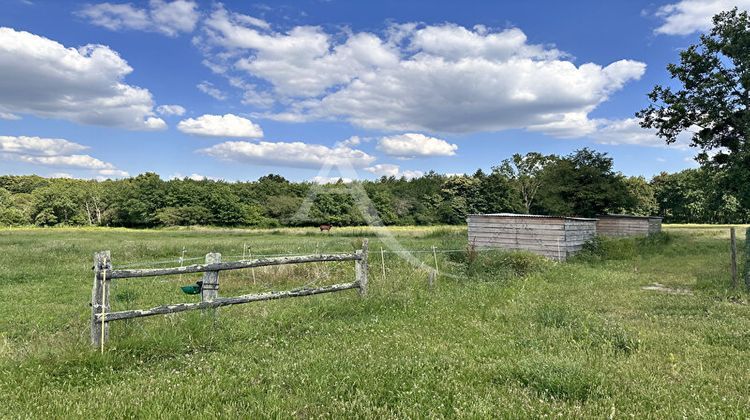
(499, 335)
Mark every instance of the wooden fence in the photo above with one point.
(103, 274)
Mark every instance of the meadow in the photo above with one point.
(499, 334)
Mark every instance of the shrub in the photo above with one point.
(504, 264)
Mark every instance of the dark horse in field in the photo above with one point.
(326, 227)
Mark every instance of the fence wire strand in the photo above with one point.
(232, 258)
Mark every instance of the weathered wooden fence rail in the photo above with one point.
(104, 274)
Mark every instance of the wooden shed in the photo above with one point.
(554, 237)
(627, 225)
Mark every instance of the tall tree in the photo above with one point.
(712, 101)
(583, 184)
(524, 171)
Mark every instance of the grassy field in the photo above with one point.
(501, 335)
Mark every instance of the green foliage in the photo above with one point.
(503, 265)
(580, 184)
(711, 101)
(183, 216)
(601, 248)
(583, 184)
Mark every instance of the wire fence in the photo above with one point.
(252, 256)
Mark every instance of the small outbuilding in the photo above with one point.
(554, 237)
(627, 225)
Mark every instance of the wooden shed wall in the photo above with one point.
(654, 225)
(577, 233)
(627, 226)
(554, 238)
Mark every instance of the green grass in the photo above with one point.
(501, 335)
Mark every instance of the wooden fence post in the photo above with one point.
(100, 299)
(210, 288)
(361, 267)
(733, 252)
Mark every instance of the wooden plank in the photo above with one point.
(219, 302)
(99, 300)
(361, 268)
(516, 226)
(541, 228)
(210, 288)
(519, 242)
(733, 256)
(532, 248)
(234, 265)
(518, 219)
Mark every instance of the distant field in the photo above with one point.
(501, 335)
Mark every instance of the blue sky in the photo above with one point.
(236, 90)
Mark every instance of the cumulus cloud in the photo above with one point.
(209, 89)
(167, 17)
(323, 180)
(170, 110)
(193, 176)
(291, 154)
(411, 145)
(38, 146)
(688, 16)
(228, 125)
(85, 85)
(390, 170)
(434, 78)
(410, 174)
(59, 153)
(629, 132)
(383, 169)
(60, 175)
(8, 116)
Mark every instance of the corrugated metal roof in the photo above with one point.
(630, 216)
(534, 216)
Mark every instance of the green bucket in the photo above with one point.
(193, 289)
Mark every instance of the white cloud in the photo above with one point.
(388, 169)
(44, 78)
(170, 110)
(167, 17)
(689, 16)
(193, 176)
(38, 146)
(60, 175)
(570, 125)
(322, 180)
(9, 116)
(351, 141)
(409, 174)
(55, 153)
(442, 78)
(209, 89)
(292, 154)
(228, 125)
(113, 173)
(384, 169)
(71, 161)
(629, 131)
(411, 145)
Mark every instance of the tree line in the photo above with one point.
(583, 183)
